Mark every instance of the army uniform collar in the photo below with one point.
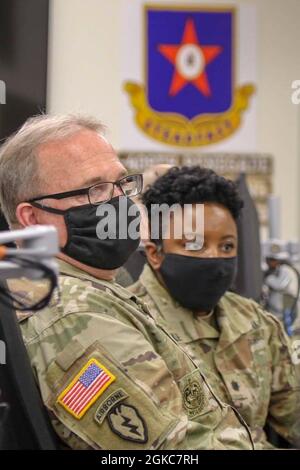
(232, 314)
(235, 319)
(70, 270)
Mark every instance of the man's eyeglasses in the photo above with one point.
(130, 186)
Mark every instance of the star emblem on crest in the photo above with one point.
(190, 60)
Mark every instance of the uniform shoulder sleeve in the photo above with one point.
(105, 405)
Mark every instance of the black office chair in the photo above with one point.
(24, 423)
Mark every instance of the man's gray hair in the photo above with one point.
(19, 177)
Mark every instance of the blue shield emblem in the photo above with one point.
(189, 61)
(189, 98)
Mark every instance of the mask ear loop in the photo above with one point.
(52, 210)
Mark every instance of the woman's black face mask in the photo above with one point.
(102, 236)
(197, 283)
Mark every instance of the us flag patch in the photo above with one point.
(85, 388)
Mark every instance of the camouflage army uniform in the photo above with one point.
(151, 394)
(243, 352)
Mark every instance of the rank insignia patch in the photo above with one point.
(126, 422)
(189, 97)
(85, 388)
(193, 398)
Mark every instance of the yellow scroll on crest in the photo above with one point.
(175, 129)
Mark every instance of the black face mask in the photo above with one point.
(84, 227)
(197, 283)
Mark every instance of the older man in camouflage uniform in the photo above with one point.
(109, 376)
(242, 350)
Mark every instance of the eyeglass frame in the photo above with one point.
(77, 192)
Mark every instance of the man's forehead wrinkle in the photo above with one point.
(74, 153)
(76, 141)
(57, 174)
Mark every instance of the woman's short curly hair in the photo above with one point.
(191, 185)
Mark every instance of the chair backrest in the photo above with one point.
(24, 423)
(249, 279)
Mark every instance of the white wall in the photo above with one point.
(278, 118)
(84, 75)
(84, 59)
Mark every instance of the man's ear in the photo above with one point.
(26, 214)
(154, 255)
